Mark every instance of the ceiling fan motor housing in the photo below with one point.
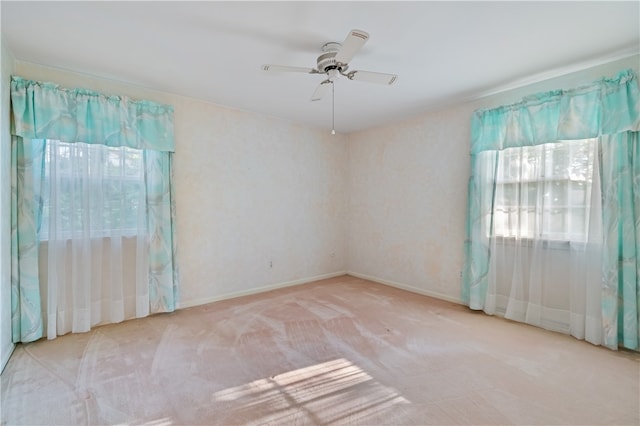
(327, 61)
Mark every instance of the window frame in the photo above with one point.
(105, 231)
(557, 240)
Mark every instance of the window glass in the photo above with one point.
(92, 187)
(544, 191)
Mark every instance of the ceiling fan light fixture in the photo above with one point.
(332, 46)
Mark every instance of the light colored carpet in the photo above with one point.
(343, 350)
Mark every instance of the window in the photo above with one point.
(91, 187)
(544, 191)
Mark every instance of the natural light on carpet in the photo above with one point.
(323, 393)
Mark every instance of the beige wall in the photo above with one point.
(408, 191)
(260, 201)
(6, 69)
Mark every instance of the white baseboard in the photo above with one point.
(434, 294)
(204, 301)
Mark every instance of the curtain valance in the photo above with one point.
(47, 111)
(606, 107)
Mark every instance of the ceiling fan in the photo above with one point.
(335, 60)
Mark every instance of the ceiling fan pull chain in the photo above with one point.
(333, 109)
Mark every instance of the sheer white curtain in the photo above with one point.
(94, 261)
(544, 229)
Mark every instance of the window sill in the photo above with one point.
(69, 239)
(541, 243)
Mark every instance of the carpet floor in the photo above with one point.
(337, 351)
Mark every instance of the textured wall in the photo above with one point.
(407, 186)
(408, 191)
(260, 201)
(6, 346)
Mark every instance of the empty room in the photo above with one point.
(373, 213)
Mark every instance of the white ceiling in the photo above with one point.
(441, 51)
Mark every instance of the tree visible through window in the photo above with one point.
(544, 191)
(92, 187)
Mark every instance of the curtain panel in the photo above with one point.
(608, 110)
(620, 169)
(41, 111)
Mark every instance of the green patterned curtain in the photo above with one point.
(42, 111)
(620, 171)
(608, 109)
(27, 166)
(47, 111)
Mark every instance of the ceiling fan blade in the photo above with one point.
(284, 68)
(321, 90)
(373, 77)
(351, 45)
